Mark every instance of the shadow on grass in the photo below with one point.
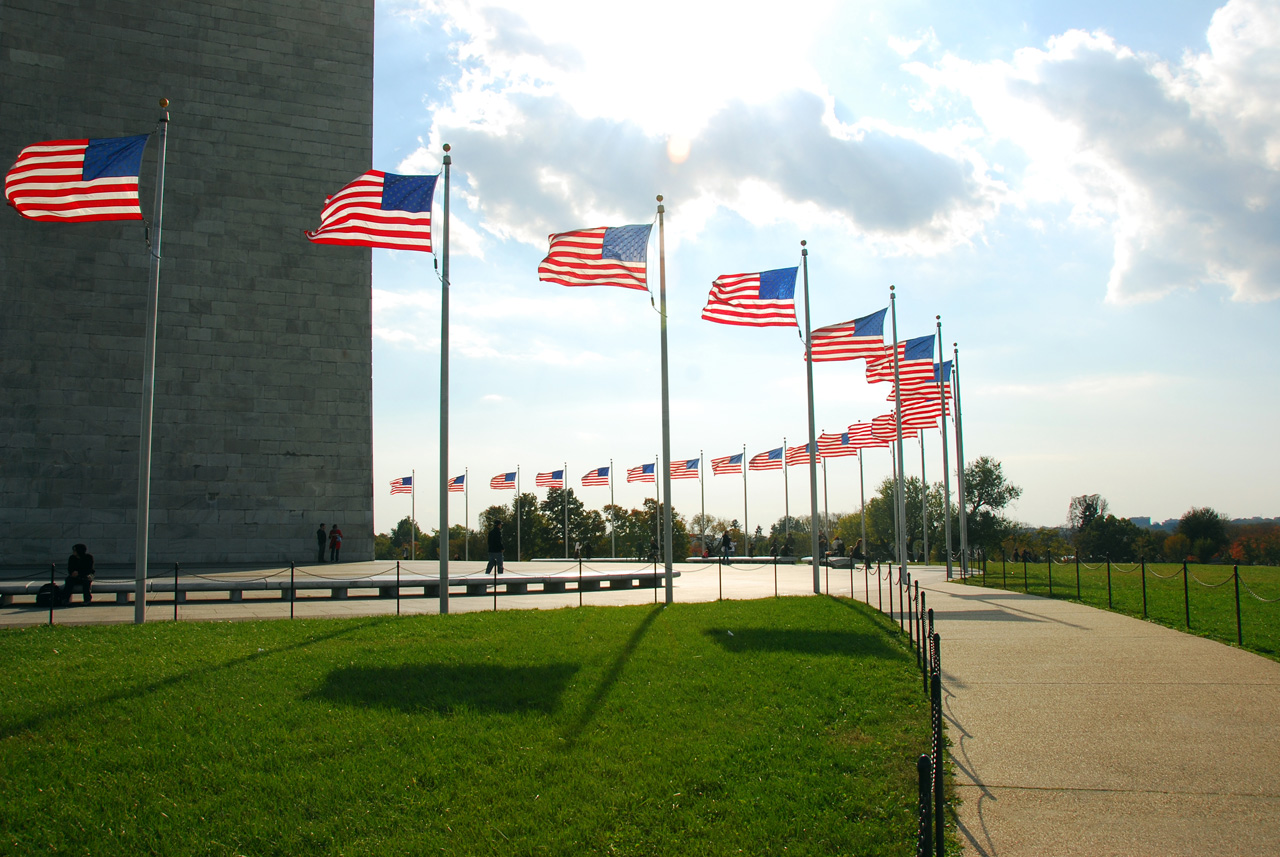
(801, 642)
(609, 679)
(449, 688)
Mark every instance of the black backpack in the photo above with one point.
(48, 596)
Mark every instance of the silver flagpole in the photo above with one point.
(786, 493)
(960, 486)
(897, 395)
(924, 504)
(444, 397)
(564, 497)
(148, 392)
(517, 506)
(666, 404)
(826, 510)
(946, 465)
(702, 492)
(613, 533)
(813, 442)
(862, 498)
(897, 518)
(413, 514)
(745, 522)
(466, 513)
(657, 513)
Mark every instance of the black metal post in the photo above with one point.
(1004, 575)
(1049, 560)
(1025, 586)
(175, 592)
(1078, 598)
(775, 577)
(1143, 560)
(939, 843)
(1239, 630)
(879, 588)
(293, 590)
(397, 587)
(924, 831)
(1108, 581)
(53, 590)
(866, 582)
(720, 579)
(1186, 595)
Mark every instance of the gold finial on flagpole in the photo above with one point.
(446, 147)
(164, 102)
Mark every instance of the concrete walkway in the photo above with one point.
(1074, 731)
(1081, 732)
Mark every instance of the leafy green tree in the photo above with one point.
(987, 493)
(1206, 529)
(586, 527)
(1110, 536)
(1176, 547)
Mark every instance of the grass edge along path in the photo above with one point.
(1161, 593)
(778, 725)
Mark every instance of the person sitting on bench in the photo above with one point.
(80, 573)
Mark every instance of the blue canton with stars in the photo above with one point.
(626, 243)
(407, 193)
(778, 285)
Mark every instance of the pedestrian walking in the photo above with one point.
(322, 538)
(495, 548)
(335, 543)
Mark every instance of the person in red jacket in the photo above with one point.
(335, 543)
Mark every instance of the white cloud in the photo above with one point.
(1178, 160)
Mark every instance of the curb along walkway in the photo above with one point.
(1075, 731)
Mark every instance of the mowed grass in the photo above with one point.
(1209, 589)
(761, 727)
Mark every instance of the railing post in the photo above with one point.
(397, 587)
(1049, 560)
(924, 829)
(1143, 560)
(1186, 595)
(775, 577)
(53, 590)
(1235, 573)
(1108, 581)
(293, 589)
(939, 843)
(866, 582)
(175, 592)
(1078, 598)
(1026, 587)
(1004, 575)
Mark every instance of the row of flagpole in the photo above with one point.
(380, 209)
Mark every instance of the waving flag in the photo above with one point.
(503, 480)
(766, 299)
(599, 476)
(551, 479)
(685, 468)
(643, 473)
(77, 181)
(403, 485)
(379, 209)
(604, 256)
(458, 483)
(799, 455)
(862, 435)
(885, 427)
(727, 464)
(915, 365)
(836, 445)
(851, 340)
(921, 413)
(771, 460)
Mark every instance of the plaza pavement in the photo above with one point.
(1073, 731)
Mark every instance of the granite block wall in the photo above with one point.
(262, 425)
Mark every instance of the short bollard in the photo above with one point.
(1108, 581)
(1235, 573)
(1186, 595)
(1144, 586)
(924, 833)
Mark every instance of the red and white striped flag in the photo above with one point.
(503, 480)
(77, 181)
(771, 459)
(765, 299)
(603, 256)
(862, 435)
(685, 468)
(850, 340)
(550, 479)
(799, 455)
(403, 485)
(458, 483)
(726, 464)
(643, 473)
(599, 476)
(379, 209)
(836, 445)
(885, 427)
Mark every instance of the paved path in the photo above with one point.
(1081, 732)
(1074, 731)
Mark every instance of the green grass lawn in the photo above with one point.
(760, 727)
(1209, 589)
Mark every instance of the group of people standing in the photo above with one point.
(333, 538)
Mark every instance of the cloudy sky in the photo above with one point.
(1085, 192)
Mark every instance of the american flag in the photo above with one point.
(503, 480)
(850, 340)
(836, 445)
(939, 369)
(643, 473)
(727, 464)
(604, 256)
(921, 413)
(685, 468)
(403, 485)
(862, 435)
(77, 181)
(599, 476)
(550, 479)
(885, 427)
(379, 209)
(915, 366)
(766, 299)
(799, 455)
(458, 483)
(771, 460)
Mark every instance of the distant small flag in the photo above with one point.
(599, 476)
(603, 256)
(836, 445)
(851, 340)
(685, 469)
(799, 455)
(550, 479)
(403, 485)
(862, 435)
(379, 209)
(771, 460)
(643, 473)
(503, 480)
(458, 483)
(766, 299)
(885, 427)
(727, 464)
(77, 181)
